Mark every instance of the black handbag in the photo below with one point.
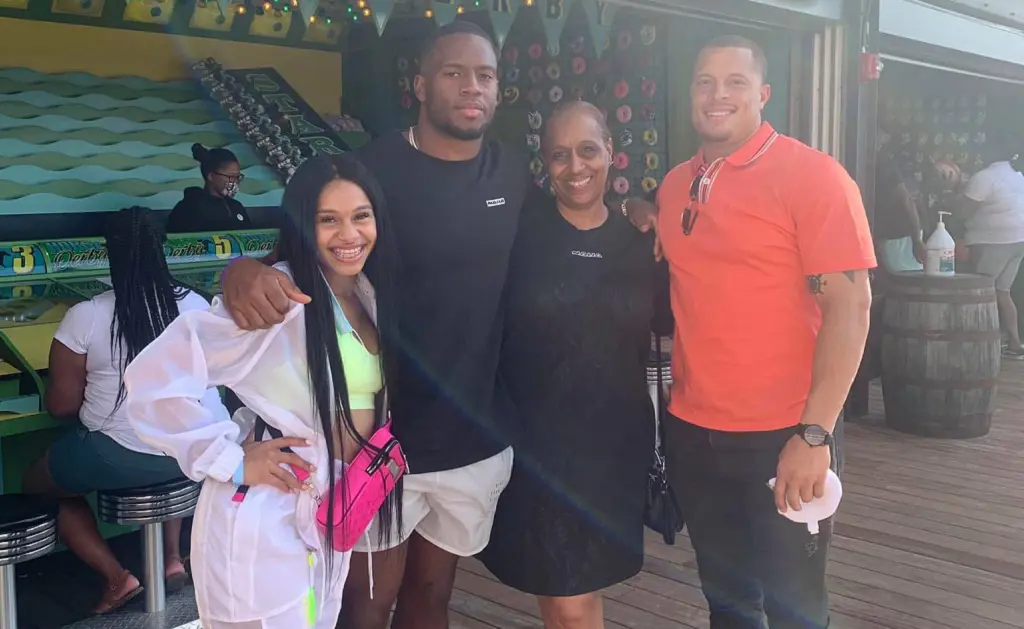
(661, 509)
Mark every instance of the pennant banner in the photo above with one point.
(599, 20)
(308, 10)
(445, 12)
(381, 12)
(503, 15)
(553, 14)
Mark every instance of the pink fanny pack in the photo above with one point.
(367, 483)
(369, 480)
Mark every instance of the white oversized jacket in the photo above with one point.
(249, 559)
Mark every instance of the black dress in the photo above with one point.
(577, 338)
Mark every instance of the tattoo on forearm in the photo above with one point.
(816, 284)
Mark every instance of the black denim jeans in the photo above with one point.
(757, 568)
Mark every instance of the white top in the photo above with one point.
(85, 329)
(254, 562)
(1000, 219)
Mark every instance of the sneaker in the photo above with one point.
(1016, 353)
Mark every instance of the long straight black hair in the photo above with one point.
(145, 296)
(298, 247)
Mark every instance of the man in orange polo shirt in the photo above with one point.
(768, 248)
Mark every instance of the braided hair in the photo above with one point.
(145, 296)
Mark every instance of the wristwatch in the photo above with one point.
(814, 435)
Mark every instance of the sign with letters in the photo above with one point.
(88, 256)
(298, 121)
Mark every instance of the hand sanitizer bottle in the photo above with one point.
(940, 251)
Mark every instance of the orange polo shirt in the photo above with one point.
(768, 216)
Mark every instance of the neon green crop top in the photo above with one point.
(362, 369)
(362, 372)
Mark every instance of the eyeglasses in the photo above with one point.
(235, 178)
(691, 212)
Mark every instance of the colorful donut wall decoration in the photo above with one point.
(624, 82)
(405, 67)
(933, 122)
(544, 81)
(635, 70)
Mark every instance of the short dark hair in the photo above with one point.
(739, 41)
(580, 107)
(456, 27)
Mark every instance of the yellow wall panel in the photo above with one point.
(54, 48)
(207, 16)
(86, 8)
(273, 24)
(148, 11)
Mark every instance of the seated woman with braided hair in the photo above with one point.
(93, 345)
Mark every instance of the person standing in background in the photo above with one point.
(897, 223)
(213, 207)
(992, 207)
(769, 249)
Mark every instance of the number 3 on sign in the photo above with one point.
(221, 247)
(24, 260)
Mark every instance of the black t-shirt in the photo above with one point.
(454, 223)
(200, 211)
(580, 305)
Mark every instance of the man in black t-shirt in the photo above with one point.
(454, 203)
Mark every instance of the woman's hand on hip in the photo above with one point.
(263, 464)
(258, 296)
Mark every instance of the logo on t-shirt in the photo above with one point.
(587, 254)
(496, 202)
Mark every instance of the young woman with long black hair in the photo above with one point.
(95, 341)
(259, 561)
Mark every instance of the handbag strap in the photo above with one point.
(659, 435)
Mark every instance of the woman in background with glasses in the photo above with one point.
(212, 207)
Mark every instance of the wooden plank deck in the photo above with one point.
(930, 535)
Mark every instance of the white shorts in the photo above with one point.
(453, 510)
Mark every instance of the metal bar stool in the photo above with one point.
(28, 530)
(150, 507)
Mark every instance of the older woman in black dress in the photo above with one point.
(577, 338)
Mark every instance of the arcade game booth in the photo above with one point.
(101, 103)
(102, 100)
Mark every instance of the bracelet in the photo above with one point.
(239, 476)
(624, 212)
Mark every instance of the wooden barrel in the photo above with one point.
(940, 354)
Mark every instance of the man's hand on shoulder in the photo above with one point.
(258, 296)
(644, 216)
